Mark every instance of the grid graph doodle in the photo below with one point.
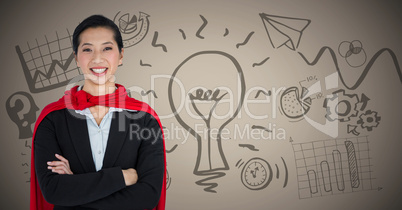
(48, 63)
(335, 166)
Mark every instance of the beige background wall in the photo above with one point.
(319, 160)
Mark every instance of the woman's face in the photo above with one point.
(98, 55)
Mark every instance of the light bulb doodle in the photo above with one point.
(21, 109)
(210, 161)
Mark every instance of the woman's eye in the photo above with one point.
(86, 50)
(108, 48)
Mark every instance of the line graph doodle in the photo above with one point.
(334, 166)
(158, 45)
(205, 22)
(245, 41)
(366, 69)
(48, 64)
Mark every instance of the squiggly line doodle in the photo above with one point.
(366, 69)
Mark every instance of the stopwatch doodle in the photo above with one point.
(257, 173)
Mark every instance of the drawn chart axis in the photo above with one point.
(335, 166)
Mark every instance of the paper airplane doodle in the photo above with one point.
(284, 30)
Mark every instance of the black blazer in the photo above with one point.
(135, 141)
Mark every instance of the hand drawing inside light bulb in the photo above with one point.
(208, 67)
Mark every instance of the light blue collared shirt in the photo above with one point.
(98, 134)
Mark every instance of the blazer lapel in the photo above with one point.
(78, 130)
(117, 136)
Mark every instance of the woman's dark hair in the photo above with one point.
(93, 22)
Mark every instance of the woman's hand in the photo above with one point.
(60, 167)
(130, 176)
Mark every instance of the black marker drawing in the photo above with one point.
(353, 53)
(212, 166)
(226, 32)
(352, 160)
(363, 101)
(260, 127)
(239, 163)
(285, 183)
(182, 34)
(369, 120)
(312, 181)
(366, 69)
(245, 41)
(143, 93)
(293, 105)
(340, 180)
(27, 145)
(25, 164)
(263, 92)
(132, 30)
(173, 149)
(145, 64)
(284, 30)
(205, 22)
(277, 171)
(341, 106)
(334, 166)
(260, 63)
(326, 174)
(49, 64)
(256, 174)
(352, 129)
(21, 109)
(168, 179)
(249, 146)
(158, 45)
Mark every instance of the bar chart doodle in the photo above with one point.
(335, 166)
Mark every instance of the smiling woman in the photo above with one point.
(98, 56)
(83, 159)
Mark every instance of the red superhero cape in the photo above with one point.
(79, 100)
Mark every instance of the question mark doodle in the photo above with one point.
(21, 109)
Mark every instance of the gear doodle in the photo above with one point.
(340, 99)
(369, 120)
